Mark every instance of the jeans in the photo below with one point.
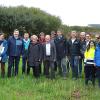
(80, 66)
(62, 67)
(74, 60)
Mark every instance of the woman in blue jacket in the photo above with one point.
(3, 53)
(97, 60)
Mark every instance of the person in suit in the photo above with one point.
(15, 48)
(49, 56)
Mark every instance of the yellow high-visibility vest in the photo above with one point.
(90, 53)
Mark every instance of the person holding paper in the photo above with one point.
(3, 53)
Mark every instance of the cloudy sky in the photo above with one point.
(71, 12)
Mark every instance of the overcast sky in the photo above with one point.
(71, 12)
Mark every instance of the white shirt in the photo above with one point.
(87, 42)
(48, 49)
(73, 40)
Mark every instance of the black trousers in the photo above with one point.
(49, 69)
(24, 64)
(13, 62)
(89, 74)
(55, 66)
(36, 70)
(2, 69)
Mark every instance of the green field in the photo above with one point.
(25, 87)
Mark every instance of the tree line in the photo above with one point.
(34, 21)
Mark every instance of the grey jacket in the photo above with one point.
(52, 57)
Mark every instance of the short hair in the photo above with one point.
(26, 33)
(16, 30)
(53, 32)
(97, 35)
(42, 33)
(73, 31)
(35, 36)
(83, 33)
(47, 36)
(88, 34)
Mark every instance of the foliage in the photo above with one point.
(32, 20)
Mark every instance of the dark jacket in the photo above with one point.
(15, 46)
(3, 55)
(74, 48)
(61, 47)
(34, 54)
(52, 57)
(82, 47)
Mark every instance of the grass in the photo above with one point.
(25, 87)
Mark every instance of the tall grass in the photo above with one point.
(25, 87)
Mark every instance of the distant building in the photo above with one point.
(94, 25)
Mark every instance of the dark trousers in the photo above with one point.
(89, 74)
(49, 69)
(44, 68)
(68, 64)
(40, 68)
(36, 71)
(68, 67)
(2, 69)
(55, 66)
(24, 64)
(80, 66)
(74, 60)
(13, 60)
(98, 75)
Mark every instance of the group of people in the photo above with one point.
(52, 54)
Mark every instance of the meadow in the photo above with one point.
(25, 87)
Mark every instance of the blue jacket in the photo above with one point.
(15, 46)
(97, 55)
(3, 55)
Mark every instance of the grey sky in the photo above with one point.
(72, 12)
